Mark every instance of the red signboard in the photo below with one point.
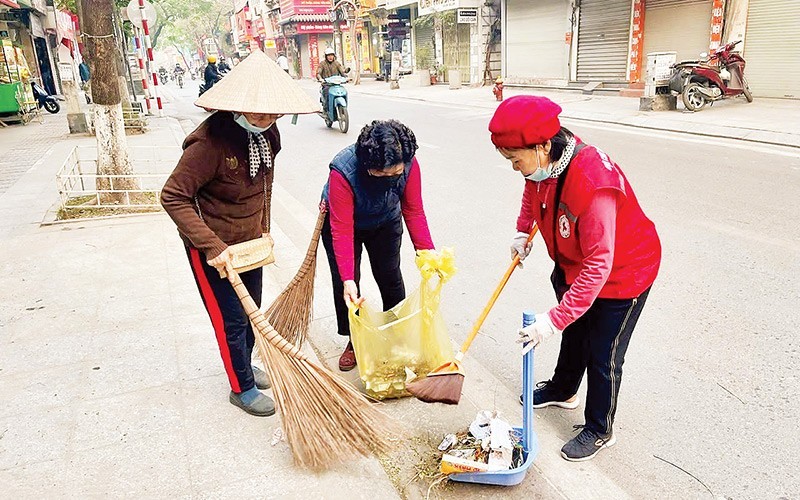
(717, 18)
(294, 7)
(636, 42)
(313, 53)
(311, 27)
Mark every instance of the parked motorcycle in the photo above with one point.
(715, 77)
(45, 100)
(336, 109)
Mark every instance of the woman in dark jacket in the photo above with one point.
(372, 187)
(220, 194)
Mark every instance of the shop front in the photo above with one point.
(537, 38)
(308, 31)
(447, 34)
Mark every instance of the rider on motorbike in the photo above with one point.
(211, 74)
(178, 69)
(327, 68)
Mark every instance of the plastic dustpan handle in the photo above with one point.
(479, 323)
(528, 318)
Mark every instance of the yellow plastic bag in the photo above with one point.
(408, 340)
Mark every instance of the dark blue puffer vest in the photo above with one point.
(377, 199)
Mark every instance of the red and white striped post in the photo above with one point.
(137, 41)
(149, 48)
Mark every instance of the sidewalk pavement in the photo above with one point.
(110, 375)
(768, 121)
(112, 384)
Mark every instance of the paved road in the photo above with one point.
(710, 381)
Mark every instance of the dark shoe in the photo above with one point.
(260, 376)
(586, 445)
(347, 361)
(253, 402)
(546, 395)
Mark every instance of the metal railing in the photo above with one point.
(81, 187)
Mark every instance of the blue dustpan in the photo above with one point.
(530, 444)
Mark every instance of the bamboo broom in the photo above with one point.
(290, 313)
(325, 419)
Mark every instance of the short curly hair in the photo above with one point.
(383, 144)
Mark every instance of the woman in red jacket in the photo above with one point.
(606, 253)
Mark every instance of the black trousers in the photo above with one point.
(231, 325)
(383, 249)
(596, 344)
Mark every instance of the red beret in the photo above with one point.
(524, 120)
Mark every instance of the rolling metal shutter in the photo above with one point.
(682, 26)
(603, 38)
(772, 48)
(539, 52)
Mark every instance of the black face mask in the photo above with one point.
(385, 182)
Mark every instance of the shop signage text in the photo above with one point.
(468, 16)
(430, 6)
(294, 7)
(310, 27)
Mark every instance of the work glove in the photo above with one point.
(521, 246)
(532, 335)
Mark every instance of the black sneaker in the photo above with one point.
(586, 445)
(546, 395)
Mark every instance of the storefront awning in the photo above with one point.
(10, 3)
(306, 18)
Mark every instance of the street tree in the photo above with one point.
(112, 147)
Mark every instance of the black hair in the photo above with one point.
(384, 143)
(558, 143)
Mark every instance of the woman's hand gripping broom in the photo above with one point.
(443, 385)
(325, 420)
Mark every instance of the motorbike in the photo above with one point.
(336, 109)
(179, 79)
(712, 78)
(163, 75)
(45, 100)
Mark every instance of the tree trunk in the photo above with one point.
(112, 146)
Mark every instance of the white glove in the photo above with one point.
(541, 330)
(521, 246)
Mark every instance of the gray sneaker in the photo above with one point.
(261, 378)
(261, 406)
(586, 445)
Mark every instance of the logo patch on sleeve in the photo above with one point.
(563, 226)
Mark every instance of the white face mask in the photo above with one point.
(540, 173)
(242, 121)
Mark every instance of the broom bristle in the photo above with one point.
(325, 419)
(438, 389)
(291, 312)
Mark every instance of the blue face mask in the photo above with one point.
(242, 121)
(540, 173)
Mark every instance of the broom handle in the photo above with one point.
(479, 323)
(261, 323)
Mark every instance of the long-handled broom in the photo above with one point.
(443, 385)
(325, 419)
(290, 313)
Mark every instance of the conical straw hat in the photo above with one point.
(258, 85)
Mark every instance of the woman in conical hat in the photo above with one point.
(219, 195)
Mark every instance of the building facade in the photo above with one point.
(575, 42)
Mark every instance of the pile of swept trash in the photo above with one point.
(490, 444)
